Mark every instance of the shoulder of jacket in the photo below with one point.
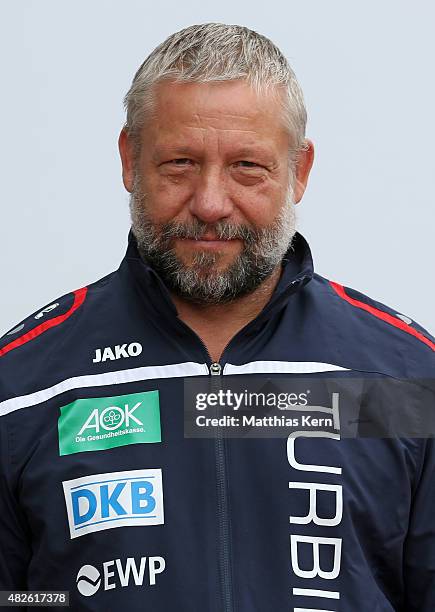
(382, 314)
(49, 322)
(372, 327)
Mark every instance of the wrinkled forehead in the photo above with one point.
(229, 109)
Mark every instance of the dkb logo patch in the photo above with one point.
(114, 499)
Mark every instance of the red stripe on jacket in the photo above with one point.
(385, 316)
(79, 298)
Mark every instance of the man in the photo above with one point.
(102, 494)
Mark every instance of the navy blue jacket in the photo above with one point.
(102, 495)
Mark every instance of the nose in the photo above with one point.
(211, 201)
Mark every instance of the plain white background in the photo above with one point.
(366, 69)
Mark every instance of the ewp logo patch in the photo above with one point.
(117, 573)
(114, 499)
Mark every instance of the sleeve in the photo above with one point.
(15, 549)
(419, 549)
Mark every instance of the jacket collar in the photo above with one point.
(297, 271)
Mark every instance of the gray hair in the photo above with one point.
(217, 52)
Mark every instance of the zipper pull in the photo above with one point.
(215, 369)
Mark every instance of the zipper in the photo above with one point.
(215, 369)
(224, 546)
(224, 540)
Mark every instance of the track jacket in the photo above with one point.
(102, 495)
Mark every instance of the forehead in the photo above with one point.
(228, 110)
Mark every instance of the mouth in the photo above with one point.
(209, 241)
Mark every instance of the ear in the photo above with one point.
(127, 158)
(303, 167)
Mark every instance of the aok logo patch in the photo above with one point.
(105, 422)
(114, 499)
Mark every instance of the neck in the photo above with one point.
(216, 324)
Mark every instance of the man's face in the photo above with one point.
(212, 199)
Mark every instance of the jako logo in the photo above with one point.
(119, 351)
(115, 499)
(89, 578)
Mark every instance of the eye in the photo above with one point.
(247, 164)
(182, 161)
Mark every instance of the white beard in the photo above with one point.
(200, 282)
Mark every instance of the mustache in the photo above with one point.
(196, 230)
